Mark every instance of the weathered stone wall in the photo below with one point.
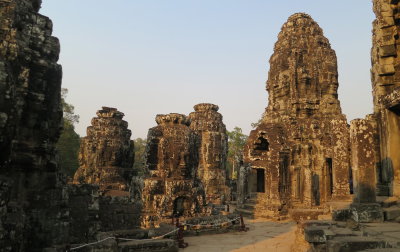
(386, 89)
(119, 213)
(106, 154)
(171, 186)
(363, 159)
(213, 150)
(91, 213)
(84, 207)
(302, 142)
(32, 214)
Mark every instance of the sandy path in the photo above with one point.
(263, 235)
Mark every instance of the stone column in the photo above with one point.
(363, 161)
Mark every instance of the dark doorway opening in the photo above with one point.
(315, 189)
(260, 180)
(284, 179)
(298, 191)
(329, 174)
(152, 155)
(180, 206)
(351, 180)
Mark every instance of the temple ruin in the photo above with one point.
(171, 187)
(386, 94)
(301, 158)
(213, 148)
(375, 159)
(106, 153)
(299, 153)
(33, 213)
(375, 140)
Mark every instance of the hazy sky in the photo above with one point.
(153, 57)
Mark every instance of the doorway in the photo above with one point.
(284, 176)
(329, 174)
(260, 180)
(181, 206)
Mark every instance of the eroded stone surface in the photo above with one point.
(363, 160)
(300, 151)
(386, 90)
(106, 153)
(32, 208)
(207, 123)
(171, 186)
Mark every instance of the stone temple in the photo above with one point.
(106, 153)
(296, 162)
(213, 150)
(171, 186)
(299, 153)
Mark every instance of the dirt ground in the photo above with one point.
(263, 235)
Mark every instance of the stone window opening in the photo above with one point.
(261, 144)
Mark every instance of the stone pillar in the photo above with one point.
(363, 160)
(242, 184)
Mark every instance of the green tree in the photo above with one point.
(69, 141)
(236, 142)
(139, 148)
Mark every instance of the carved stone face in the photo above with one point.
(303, 70)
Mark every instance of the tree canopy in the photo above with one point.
(236, 142)
(69, 141)
(139, 148)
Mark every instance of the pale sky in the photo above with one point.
(148, 57)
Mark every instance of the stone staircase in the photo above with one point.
(247, 209)
(332, 236)
(345, 234)
(382, 190)
(391, 208)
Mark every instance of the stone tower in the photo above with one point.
(299, 153)
(386, 94)
(32, 202)
(106, 153)
(213, 148)
(170, 187)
